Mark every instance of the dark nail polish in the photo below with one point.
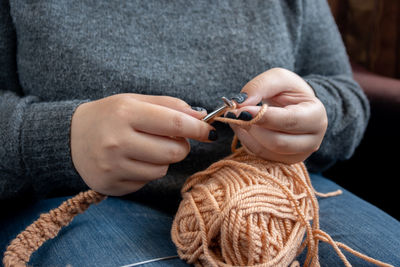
(198, 109)
(231, 115)
(240, 98)
(245, 116)
(260, 104)
(212, 135)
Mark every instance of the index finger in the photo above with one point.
(294, 119)
(170, 102)
(163, 121)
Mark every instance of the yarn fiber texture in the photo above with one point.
(47, 227)
(241, 211)
(247, 211)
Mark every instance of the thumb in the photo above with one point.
(263, 86)
(271, 83)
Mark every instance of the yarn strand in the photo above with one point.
(224, 199)
(47, 227)
(242, 210)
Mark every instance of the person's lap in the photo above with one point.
(358, 224)
(119, 232)
(115, 232)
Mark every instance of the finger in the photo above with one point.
(282, 143)
(160, 120)
(128, 186)
(155, 149)
(172, 103)
(132, 175)
(257, 149)
(135, 170)
(296, 119)
(271, 83)
(178, 105)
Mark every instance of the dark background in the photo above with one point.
(371, 32)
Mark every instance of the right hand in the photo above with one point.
(120, 143)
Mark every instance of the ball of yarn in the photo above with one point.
(244, 211)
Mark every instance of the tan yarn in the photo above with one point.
(242, 210)
(247, 211)
(47, 227)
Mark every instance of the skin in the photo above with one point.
(120, 143)
(294, 124)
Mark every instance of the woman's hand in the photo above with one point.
(294, 123)
(121, 142)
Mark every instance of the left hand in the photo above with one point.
(294, 123)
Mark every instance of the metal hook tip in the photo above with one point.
(228, 102)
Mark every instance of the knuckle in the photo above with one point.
(320, 109)
(161, 171)
(123, 108)
(105, 167)
(291, 122)
(254, 84)
(152, 173)
(279, 145)
(105, 159)
(176, 154)
(257, 150)
(279, 71)
(179, 102)
(110, 145)
(171, 101)
(324, 123)
(202, 132)
(316, 148)
(177, 124)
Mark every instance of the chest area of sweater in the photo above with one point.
(91, 49)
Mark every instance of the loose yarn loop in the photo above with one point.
(242, 210)
(247, 211)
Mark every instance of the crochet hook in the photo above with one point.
(228, 104)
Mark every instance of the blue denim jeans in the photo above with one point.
(119, 232)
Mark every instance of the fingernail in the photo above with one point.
(198, 109)
(231, 115)
(240, 98)
(245, 116)
(260, 104)
(212, 135)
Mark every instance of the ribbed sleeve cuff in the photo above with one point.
(325, 157)
(45, 146)
(347, 110)
(325, 96)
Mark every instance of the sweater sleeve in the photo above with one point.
(322, 61)
(34, 135)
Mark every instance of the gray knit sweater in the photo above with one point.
(56, 54)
